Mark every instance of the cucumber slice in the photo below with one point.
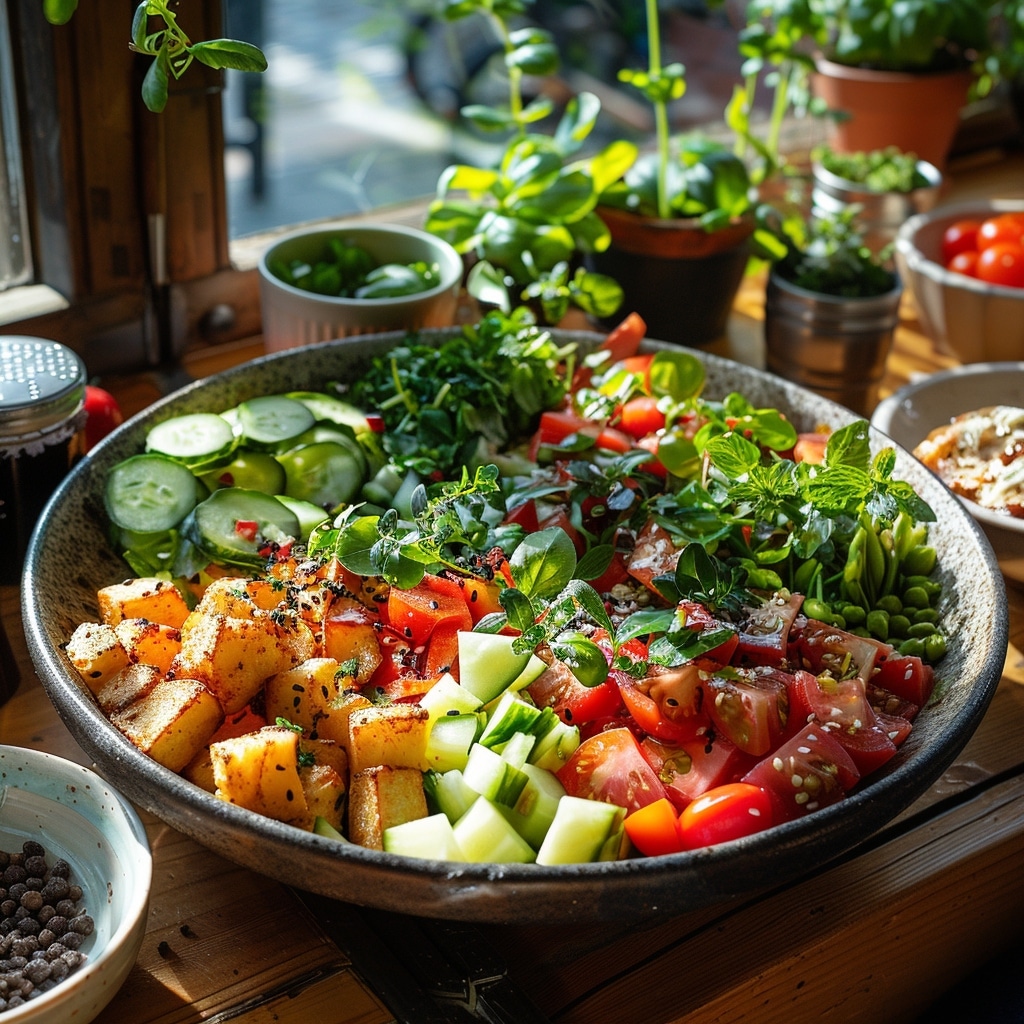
(487, 663)
(449, 793)
(511, 715)
(555, 746)
(535, 809)
(450, 739)
(326, 432)
(193, 438)
(493, 777)
(432, 838)
(484, 835)
(149, 493)
(213, 525)
(446, 696)
(331, 409)
(255, 471)
(326, 474)
(273, 421)
(579, 831)
(310, 516)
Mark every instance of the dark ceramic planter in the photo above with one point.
(680, 278)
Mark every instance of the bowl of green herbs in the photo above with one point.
(337, 280)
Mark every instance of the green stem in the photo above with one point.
(515, 77)
(779, 104)
(660, 107)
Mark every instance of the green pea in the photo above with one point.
(914, 647)
(890, 603)
(922, 629)
(931, 587)
(934, 647)
(854, 614)
(815, 609)
(878, 624)
(919, 560)
(926, 615)
(861, 631)
(899, 626)
(916, 597)
(838, 621)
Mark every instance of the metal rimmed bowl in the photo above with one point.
(70, 558)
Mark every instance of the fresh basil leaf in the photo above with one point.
(680, 375)
(595, 562)
(584, 658)
(733, 455)
(544, 563)
(518, 608)
(849, 446)
(645, 622)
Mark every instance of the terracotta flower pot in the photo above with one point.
(918, 112)
(680, 278)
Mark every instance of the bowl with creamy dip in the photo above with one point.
(967, 426)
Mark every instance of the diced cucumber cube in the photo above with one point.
(517, 749)
(322, 827)
(484, 835)
(432, 838)
(492, 776)
(447, 695)
(450, 739)
(556, 746)
(449, 793)
(579, 831)
(535, 809)
(487, 663)
(510, 715)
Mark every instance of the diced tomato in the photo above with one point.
(624, 340)
(246, 528)
(824, 648)
(442, 654)
(727, 812)
(654, 554)
(896, 727)
(375, 422)
(691, 768)
(653, 466)
(764, 632)
(558, 424)
(610, 767)
(576, 704)
(751, 710)
(415, 612)
(842, 708)
(560, 519)
(614, 574)
(525, 514)
(669, 705)
(906, 676)
(654, 829)
(699, 619)
(641, 416)
(398, 660)
(809, 771)
(885, 702)
(810, 447)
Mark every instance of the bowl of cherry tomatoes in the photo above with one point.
(964, 266)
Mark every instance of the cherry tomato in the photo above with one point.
(102, 415)
(727, 812)
(1002, 264)
(654, 829)
(1004, 228)
(961, 236)
(964, 263)
(641, 416)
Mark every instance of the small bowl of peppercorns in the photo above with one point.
(75, 872)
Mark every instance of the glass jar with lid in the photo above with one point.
(42, 414)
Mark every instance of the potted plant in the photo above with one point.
(680, 218)
(831, 305)
(524, 223)
(894, 72)
(887, 186)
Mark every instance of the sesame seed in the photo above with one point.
(796, 780)
(777, 764)
(803, 750)
(801, 798)
(754, 812)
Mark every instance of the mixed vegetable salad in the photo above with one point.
(630, 618)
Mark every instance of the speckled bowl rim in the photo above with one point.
(56, 596)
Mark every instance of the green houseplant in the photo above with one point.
(831, 305)
(865, 60)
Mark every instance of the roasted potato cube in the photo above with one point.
(96, 653)
(131, 684)
(334, 726)
(149, 643)
(304, 694)
(171, 723)
(260, 771)
(395, 735)
(381, 797)
(200, 769)
(325, 793)
(153, 599)
(234, 657)
(326, 752)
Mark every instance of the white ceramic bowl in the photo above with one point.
(911, 413)
(974, 321)
(70, 558)
(294, 317)
(76, 816)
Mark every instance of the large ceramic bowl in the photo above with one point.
(70, 558)
(76, 816)
(912, 412)
(965, 317)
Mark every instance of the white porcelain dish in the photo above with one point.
(77, 816)
(967, 318)
(912, 412)
(69, 559)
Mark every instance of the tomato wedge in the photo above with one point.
(415, 612)
(725, 813)
(654, 830)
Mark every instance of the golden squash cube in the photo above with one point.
(350, 636)
(304, 694)
(149, 643)
(96, 653)
(145, 598)
(127, 687)
(395, 735)
(326, 795)
(381, 797)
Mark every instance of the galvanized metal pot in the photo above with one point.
(832, 345)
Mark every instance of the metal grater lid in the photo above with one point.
(42, 387)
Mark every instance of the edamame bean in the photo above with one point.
(916, 597)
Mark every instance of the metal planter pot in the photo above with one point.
(832, 345)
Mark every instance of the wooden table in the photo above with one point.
(876, 936)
